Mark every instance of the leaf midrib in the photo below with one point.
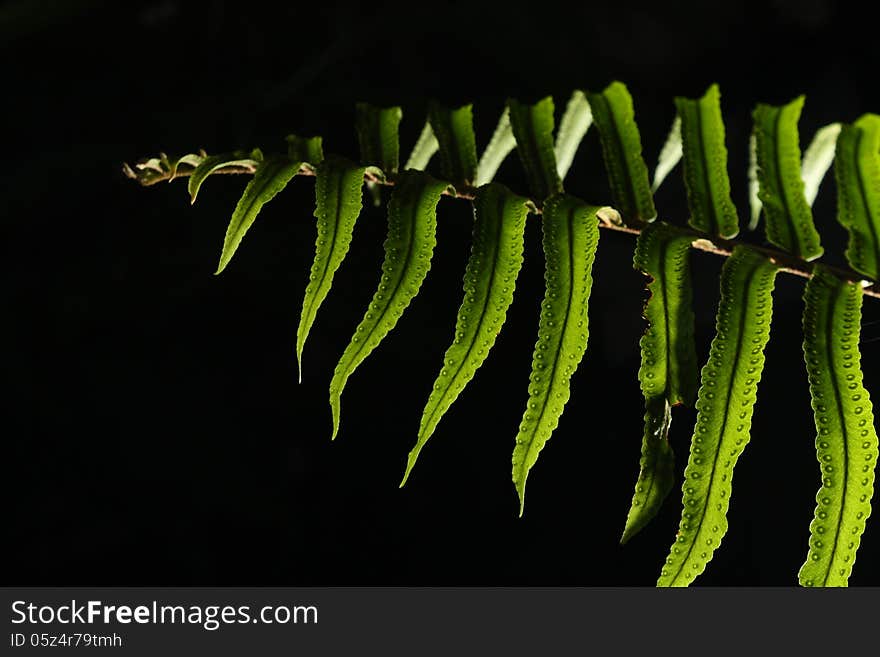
(864, 196)
(832, 375)
(737, 354)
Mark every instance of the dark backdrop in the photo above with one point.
(155, 431)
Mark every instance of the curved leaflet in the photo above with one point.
(412, 227)
(724, 412)
(622, 151)
(789, 221)
(213, 163)
(489, 280)
(377, 131)
(574, 125)
(338, 202)
(499, 148)
(533, 130)
(454, 130)
(571, 235)
(818, 158)
(424, 150)
(705, 165)
(857, 172)
(668, 373)
(670, 154)
(271, 177)
(846, 440)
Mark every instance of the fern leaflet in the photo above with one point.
(857, 171)
(571, 235)
(498, 149)
(377, 130)
(214, 163)
(670, 154)
(533, 129)
(270, 178)
(489, 280)
(622, 151)
(724, 411)
(789, 221)
(412, 236)
(705, 165)
(846, 440)
(308, 150)
(668, 374)
(424, 150)
(338, 202)
(574, 125)
(454, 130)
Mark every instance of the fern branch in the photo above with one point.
(155, 170)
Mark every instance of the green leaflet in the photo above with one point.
(574, 125)
(494, 264)
(499, 147)
(454, 130)
(846, 440)
(622, 151)
(668, 374)
(571, 235)
(271, 177)
(789, 221)
(818, 158)
(533, 130)
(857, 172)
(670, 154)
(214, 163)
(669, 357)
(705, 165)
(724, 411)
(412, 227)
(816, 162)
(656, 468)
(424, 149)
(338, 202)
(377, 135)
(308, 150)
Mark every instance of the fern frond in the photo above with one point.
(271, 177)
(846, 440)
(724, 412)
(571, 235)
(622, 151)
(338, 202)
(412, 228)
(705, 165)
(489, 280)
(857, 171)
(533, 130)
(789, 221)
(574, 125)
(454, 131)
(497, 150)
(377, 131)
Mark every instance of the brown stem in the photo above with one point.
(702, 242)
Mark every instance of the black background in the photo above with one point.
(155, 430)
